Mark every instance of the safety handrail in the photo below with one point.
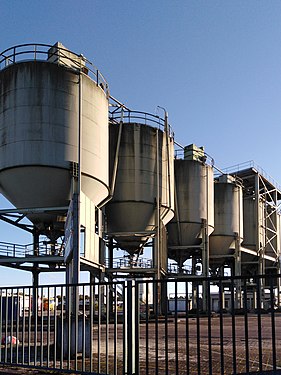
(130, 116)
(251, 164)
(37, 51)
(8, 249)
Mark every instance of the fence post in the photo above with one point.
(129, 337)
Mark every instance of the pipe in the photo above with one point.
(115, 166)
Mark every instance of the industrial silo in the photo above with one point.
(228, 232)
(141, 154)
(53, 117)
(194, 203)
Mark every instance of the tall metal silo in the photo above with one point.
(226, 239)
(54, 117)
(194, 197)
(141, 154)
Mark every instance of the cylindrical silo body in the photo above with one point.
(253, 227)
(228, 217)
(194, 203)
(144, 183)
(44, 106)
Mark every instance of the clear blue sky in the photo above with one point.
(214, 65)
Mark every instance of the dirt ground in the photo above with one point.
(167, 348)
(27, 371)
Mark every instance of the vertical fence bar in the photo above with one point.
(137, 327)
(146, 334)
(29, 325)
(156, 313)
(107, 328)
(129, 327)
(1, 321)
(35, 320)
(166, 340)
(186, 328)
(55, 327)
(259, 323)
(92, 309)
(209, 314)
(6, 324)
(23, 327)
(246, 325)
(233, 328)
(17, 325)
(42, 328)
(198, 329)
(62, 325)
(11, 324)
(69, 307)
(176, 327)
(221, 296)
(99, 328)
(115, 322)
(83, 328)
(273, 337)
(48, 327)
(74, 321)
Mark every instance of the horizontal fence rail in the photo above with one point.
(187, 325)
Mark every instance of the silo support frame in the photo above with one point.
(14, 216)
(267, 234)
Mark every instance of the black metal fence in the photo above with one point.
(188, 325)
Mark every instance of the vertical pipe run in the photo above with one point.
(158, 211)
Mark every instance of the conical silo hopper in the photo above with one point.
(144, 182)
(228, 219)
(194, 204)
(48, 99)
